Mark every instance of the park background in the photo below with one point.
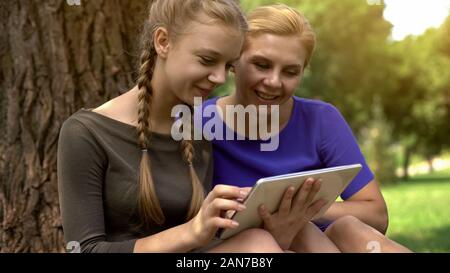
(394, 91)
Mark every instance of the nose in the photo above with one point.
(218, 76)
(273, 80)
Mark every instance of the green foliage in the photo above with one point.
(355, 62)
(418, 104)
(226, 88)
(443, 41)
(347, 67)
(377, 146)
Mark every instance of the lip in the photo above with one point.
(265, 100)
(205, 91)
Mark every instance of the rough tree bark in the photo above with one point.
(55, 59)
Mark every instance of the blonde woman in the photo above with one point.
(125, 185)
(312, 134)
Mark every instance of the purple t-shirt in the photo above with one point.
(316, 136)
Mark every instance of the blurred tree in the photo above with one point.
(55, 59)
(348, 68)
(377, 145)
(418, 103)
(398, 101)
(443, 42)
(443, 47)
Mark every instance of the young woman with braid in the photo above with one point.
(125, 184)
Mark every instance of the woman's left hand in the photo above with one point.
(294, 213)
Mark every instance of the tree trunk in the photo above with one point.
(406, 162)
(55, 59)
(430, 160)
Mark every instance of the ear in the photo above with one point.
(161, 42)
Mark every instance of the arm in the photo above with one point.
(81, 165)
(176, 239)
(363, 198)
(368, 205)
(201, 229)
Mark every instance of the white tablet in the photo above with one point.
(270, 190)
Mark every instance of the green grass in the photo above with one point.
(419, 212)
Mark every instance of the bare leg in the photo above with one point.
(249, 241)
(351, 235)
(312, 240)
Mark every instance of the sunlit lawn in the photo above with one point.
(419, 212)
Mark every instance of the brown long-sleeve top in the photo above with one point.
(98, 168)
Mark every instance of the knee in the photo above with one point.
(351, 227)
(259, 241)
(309, 234)
(344, 222)
(312, 240)
(343, 226)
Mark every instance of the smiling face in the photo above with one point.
(270, 69)
(199, 59)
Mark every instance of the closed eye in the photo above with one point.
(207, 60)
(262, 66)
(293, 73)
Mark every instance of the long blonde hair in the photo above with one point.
(174, 16)
(281, 19)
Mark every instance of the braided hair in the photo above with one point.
(173, 15)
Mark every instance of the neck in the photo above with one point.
(163, 100)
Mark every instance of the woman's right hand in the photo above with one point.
(294, 212)
(209, 219)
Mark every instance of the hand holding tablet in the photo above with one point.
(269, 191)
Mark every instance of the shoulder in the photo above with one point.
(79, 121)
(121, 108)
(315, 109)
(78, 141)
(314, 104)
(211, 102)
(78, 131)
(84, 120)
(87, 125)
